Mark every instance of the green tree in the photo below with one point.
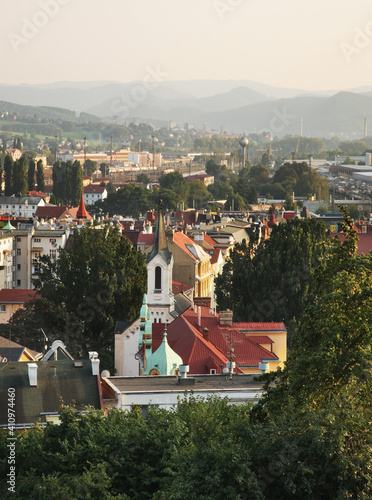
(1, 171)
(20, 184)
(58, 181)
(259, 174)
(40, 181)
(31, 175)
(104, 168)
(76, 183)
(145, 179)
(321, 416)
(129, 200)
(8, 174)
(101, 278)
(353, 211)
(198, 195)
(56, 321)
(90, 167)
(272, 280)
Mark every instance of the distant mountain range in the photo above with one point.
(232, 106)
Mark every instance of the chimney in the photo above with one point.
(203, 301)
(184, 370)
(226, 317)
(264, 367)
(169, 233)
(206, 333)
(93, 356)
(32, 374)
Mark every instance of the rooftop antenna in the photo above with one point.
(46, 339)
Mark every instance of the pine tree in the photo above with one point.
(8, 174)
(1, 172)
(76, 183)
(57, 176)
(20, 184)
(31, 175)
(40, 176)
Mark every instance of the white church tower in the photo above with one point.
(160, 298)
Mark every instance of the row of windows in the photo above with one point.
(13, 206)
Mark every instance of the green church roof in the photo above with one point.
(164, 359)
(8, 226)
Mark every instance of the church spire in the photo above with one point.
(82, 213)
(160, 245)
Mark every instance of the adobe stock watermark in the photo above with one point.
(361, 40)
(280, 120)
(123, 105)
(223, 7)
(31, 26)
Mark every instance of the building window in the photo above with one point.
(213, 371)
(18, 267)
(37, 240)
(52, 240)
(53, 254)
(158, 278)
(18, 282)
(19, 239)
(2, 308)
(19, 251)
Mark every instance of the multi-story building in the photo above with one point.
(21, 249)
(6, 260)
(94, 193)
(20, 206)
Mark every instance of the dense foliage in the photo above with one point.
(99, 279)
(272, 280)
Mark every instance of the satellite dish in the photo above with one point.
(105, 374)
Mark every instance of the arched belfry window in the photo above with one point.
(157, 278)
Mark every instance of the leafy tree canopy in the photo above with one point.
(99, 279)
(272, 280)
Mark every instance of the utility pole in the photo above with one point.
(85, 153)
(111, 150)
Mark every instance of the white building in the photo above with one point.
(20, 206)
(94, 193)
(165, 391)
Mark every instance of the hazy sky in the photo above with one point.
(322, 44)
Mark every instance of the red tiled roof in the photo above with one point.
(93, 188)
(17, 295)
(214, 254)
(181, 240)
(195, 351)
(364, 242)
(288, 215)
(37, 193)
(146, 238)
(180, 287)
(132, 236)
(247, 351)
(51, 212)
(208, 239)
